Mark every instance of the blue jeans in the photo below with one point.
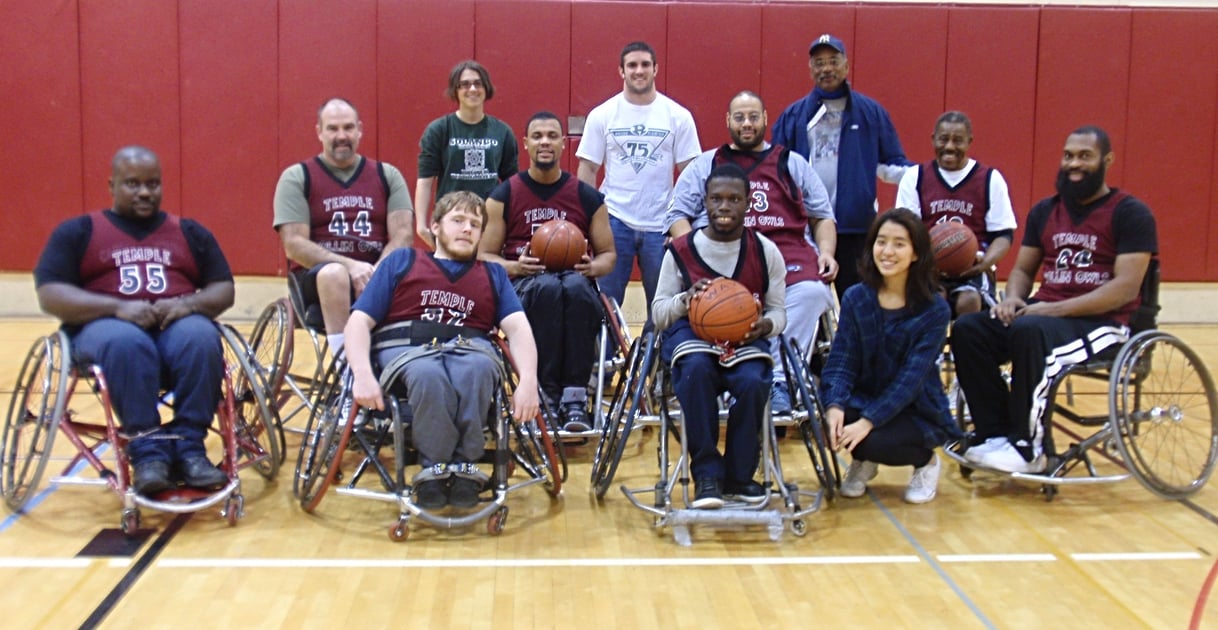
(648, 247)
(187, 356)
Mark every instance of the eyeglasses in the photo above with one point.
(468, 85)
(832, 62)
(739, 118)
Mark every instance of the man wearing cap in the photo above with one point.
(847, 163)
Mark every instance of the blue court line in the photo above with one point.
(932, 562)
(41, 496)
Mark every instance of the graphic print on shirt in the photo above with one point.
(640, 145)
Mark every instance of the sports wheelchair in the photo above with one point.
(645, 397)
(40, 409)
(1151, 402)
(273, 344)
(340, 431)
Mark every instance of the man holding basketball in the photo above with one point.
(563, 306)
(955, 187)
(700, 370)
(787, 203)
(1093, 245)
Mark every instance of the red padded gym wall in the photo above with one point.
(787, 30)
(601, 30)
(533, 59)
(991, 76)
(418, 43)
(41, 163)
(715, 53)
(1168, 150)
(1082, 78)
(1211, 217)
(905, 74)
(129, 91)
(228, 61)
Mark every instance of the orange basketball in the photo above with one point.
(558, 244)
(954, 246)
(724, 312)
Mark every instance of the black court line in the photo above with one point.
(136, 570)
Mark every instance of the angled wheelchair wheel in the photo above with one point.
(1165, 410)
(812, 427)
(34, 413)
(535, 452)
(271, 346)
(629, 397)
(326, 435)
(259, 435)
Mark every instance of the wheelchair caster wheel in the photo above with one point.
(966, 472)
(234, 509)
(399, 531)
(130, 521)
(799, 527)
(494, 524)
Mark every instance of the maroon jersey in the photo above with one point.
(776, 208)
(527, 210)
(751, 269)
(428, 293)
(349, 218)
(966, 202)
(1079, 257)
(158, 266)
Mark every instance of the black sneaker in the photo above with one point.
(463, 493)
(199, 473)
(748, 491)
(576, 418)
(149, 478)
(431, 494)
(707, 495)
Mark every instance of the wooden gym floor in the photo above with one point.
(987, 553)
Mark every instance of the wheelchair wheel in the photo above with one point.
(812, 427)
(1165, 410)
(325, 438)
(259, 436)
(271, 346)
(629, 396)
(535, 451)
(34, 412)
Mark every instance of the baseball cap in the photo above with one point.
(827, 40)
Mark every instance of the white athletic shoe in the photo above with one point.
(924, 483)
(975, 453)
(1007, 459)
(854, 484)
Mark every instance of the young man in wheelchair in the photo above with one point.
(1093, 245)
(136, 289)
(428, 316)
(700, 371)
(955, 187)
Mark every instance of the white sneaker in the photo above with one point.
(1007, 459)
(975, 453)
(924, 483)
(854, 484)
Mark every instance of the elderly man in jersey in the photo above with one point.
(1093, 245)
(700, 370)
(137, 289)
(564, 305)
(337, 215)
(787, 202)
(955, 187)
(426, 316)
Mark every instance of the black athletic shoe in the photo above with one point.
(431, 494)
(199, 473)
(748, 491)
(149, 478)
(463, 493)
(707, 495)
(576, 418)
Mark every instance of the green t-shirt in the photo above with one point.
(467, 157)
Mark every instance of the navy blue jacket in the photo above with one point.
(884, 368)
(868, 139)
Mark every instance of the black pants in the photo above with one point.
(849, 251)
(564, 310)
(899, 442)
